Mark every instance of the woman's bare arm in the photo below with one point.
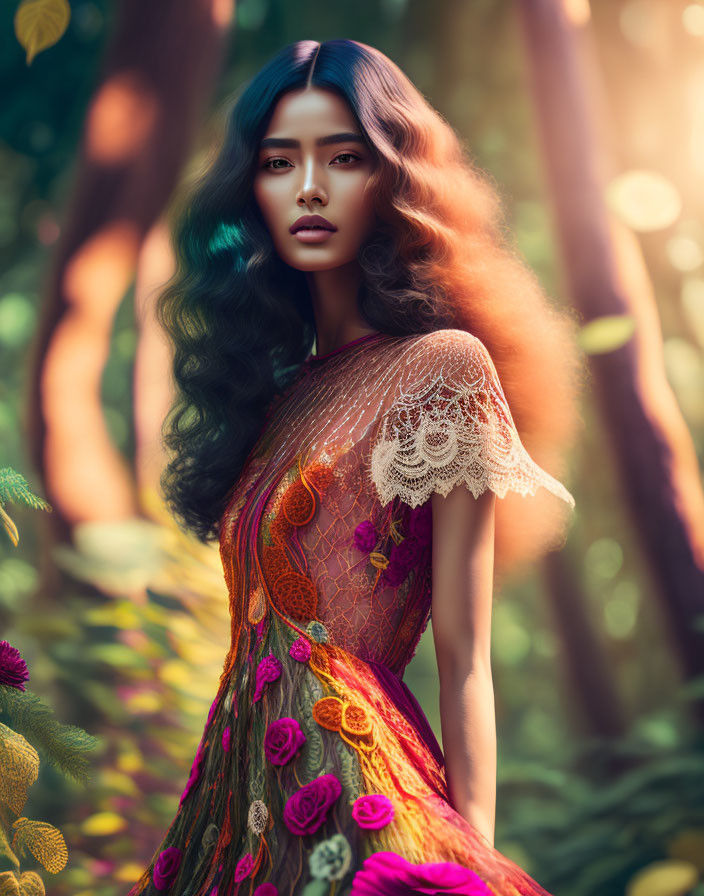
(462, 580)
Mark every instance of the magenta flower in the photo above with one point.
(166, 867)
(268, 670)
(266, 889)
(226, 735)
(195, 773)
(300, 650)
(420, 523)
(373, 811)
(13, 669)
(402, 559)
(389, 874)
(407, 552)
(244, 867)
(307, 809)
(393, 575)
(365, 536)
(283, 739)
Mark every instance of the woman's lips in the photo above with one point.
(313, 235)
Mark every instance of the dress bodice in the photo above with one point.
(331, 517)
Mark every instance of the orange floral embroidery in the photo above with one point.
(296, 595)
(327, 712)
(320, 476)
(294, 592)
(355, 720)
(351, 721)
(298, 504)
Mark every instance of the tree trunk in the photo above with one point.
(156, 78)
(606, 275)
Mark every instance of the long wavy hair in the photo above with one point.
(241, 320)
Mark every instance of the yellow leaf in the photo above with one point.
(130, 761)
(10, 527)
(19, 768)
(604, 334)
(120, 614)
(44, 841)
(31, 884)
(40, 23)
(129, 873)
(8, 884)
(118, 782)
(103, 823)
(175, 672)
(665, 878)
(144, 701)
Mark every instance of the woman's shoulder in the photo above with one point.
(448, 354)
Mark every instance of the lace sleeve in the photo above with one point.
(450, 423)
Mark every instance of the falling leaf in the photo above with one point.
(604, 334)
(103, 823)
(40, 23)
(666, 878)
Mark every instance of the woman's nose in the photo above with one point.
(311, 188)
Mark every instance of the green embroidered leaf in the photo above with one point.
(350, 773)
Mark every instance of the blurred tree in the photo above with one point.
(607, 276)
(158, 73)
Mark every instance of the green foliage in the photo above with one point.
(588, 836)
(63, 746)
(13, 487)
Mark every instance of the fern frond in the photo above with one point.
(62, 746)
(14, 487)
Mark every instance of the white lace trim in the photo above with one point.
(452, 424)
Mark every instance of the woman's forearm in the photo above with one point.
(468, 725)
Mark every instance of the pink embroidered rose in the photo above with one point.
(268, 670)
(307, 809)
(166, 867)
(373, 811)
(389, 874)
(195, 772)
(283, 739)
(420, 523)
(244, 867)
(365, 536)
(226, 736)
(266, 889)
(300, 650)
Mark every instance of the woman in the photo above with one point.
(341, 210)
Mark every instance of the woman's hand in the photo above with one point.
(462, 583)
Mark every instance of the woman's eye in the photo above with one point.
(270, 162)
(351, 155)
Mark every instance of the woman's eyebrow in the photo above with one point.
(288, 143)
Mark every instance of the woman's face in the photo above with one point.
(313, 160)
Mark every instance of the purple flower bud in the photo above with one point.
(365, 536)
(13, 669)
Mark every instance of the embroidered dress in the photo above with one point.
(317, 771)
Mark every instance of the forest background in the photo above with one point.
(590, 119)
